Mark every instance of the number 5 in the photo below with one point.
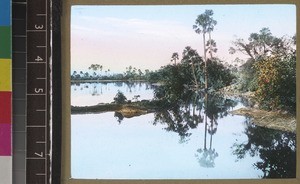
(38, 90)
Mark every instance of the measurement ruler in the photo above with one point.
(38, 97)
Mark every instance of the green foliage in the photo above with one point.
(277, 83)
(204, 22)
(173, 82)
(271, 69)
(95, 68)
(247, 78)
(218, 75)
(263, 44)
(120, 98)
(188, 75)
(174, 57)
(153, 76)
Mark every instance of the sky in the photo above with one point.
(146, 36)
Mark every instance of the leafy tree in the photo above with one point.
(259, 47)
(140, 73)
(86, 75)
(263, 44)
(191, 58)
(212, 45)
(277, 83)
(218, 75)
(130, 72)
(120, 98)
(95, 68)
(73, 76)
(153, 76)
(174, 57)
(247, 76)
(81, 74)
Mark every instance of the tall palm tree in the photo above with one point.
(174, 57)
(205, 24)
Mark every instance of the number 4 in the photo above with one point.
(38, 58)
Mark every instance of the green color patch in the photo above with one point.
(5, 42)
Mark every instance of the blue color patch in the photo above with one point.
(5, 13)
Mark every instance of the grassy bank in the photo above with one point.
(270, 119)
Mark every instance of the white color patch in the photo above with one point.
(6, 169)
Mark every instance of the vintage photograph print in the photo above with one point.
(183, 91)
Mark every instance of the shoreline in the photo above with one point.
(105, 80)
(269, 119)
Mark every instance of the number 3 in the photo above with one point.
(38, 27)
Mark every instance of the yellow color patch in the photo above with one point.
(5, 75)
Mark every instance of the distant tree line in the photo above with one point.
(96, 73)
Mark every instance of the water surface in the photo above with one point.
(175, 145)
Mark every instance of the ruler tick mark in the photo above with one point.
(19, 3)
(19, 36)
(40, 174)
(33, 30)
(35, 158)
(41, 110)
(19, 52)
(40, 142)
(35, 94)
(41, 46)
(36, 126)
(41, 14)
(35, 62)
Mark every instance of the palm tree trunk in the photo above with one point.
(205, 62)
(210, 45)
(212, 128)
(205, 131)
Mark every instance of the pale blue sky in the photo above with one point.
(146, 36)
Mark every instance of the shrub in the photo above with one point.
(120, 98)
(277, 83)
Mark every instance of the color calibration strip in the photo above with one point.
(5, 93)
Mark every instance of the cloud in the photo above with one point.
(156, 29)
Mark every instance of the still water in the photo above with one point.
(163, 145)
(84, 94)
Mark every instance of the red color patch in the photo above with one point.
(5, 107)
(5, 139)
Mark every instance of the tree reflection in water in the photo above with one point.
(188, 113)
(276, 149)
(216, 107)
(119, 116)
